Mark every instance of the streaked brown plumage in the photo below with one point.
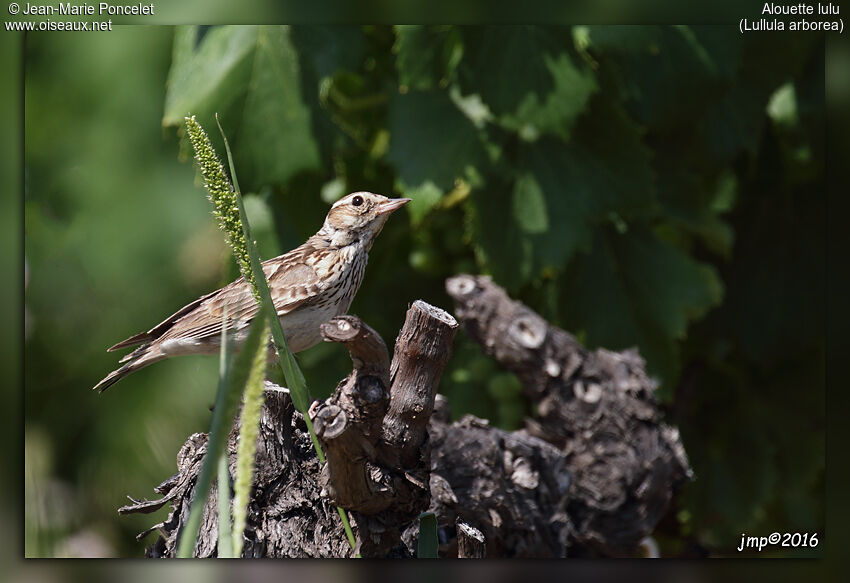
(309, 285)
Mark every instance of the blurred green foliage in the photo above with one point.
(651, 186)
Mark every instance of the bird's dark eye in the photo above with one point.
(357, 200)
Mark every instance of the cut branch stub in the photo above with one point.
(470, 542)
(349, 422)
(375, 439)
(422, 349)
(515, 336)
(367, 349)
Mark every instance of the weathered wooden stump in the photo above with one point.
(598, 408)
(373, 429)
(592, 473)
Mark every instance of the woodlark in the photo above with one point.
(309, 285)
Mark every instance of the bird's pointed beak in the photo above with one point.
(391, 205)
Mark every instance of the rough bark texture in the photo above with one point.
(288, 516)
(511, 486)
(373, 429)
(376, 440)
(597, 407)
(593, 473)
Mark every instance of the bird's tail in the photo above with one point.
(138, 359)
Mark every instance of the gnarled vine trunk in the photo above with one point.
(593, 472)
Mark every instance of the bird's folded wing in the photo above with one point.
(292, 284)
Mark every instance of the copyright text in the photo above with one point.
(85, 9)
(787, 539)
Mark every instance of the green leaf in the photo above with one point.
(693, 203)
(665, 73)
(735, 120)
(261, 217)
(430, 139)
(426, 55)
(416, 58)
(501, 246)
(638, 290)
(530, 205)
(275, 137)
(208, 72)
(424, 197)
(603, 169)
(249, 75)
(329, 48)
(778, 262)
(556, 112)
(325, 53)
(720, 51)
(505, 63)
(536, 220)
(427, 546)
(782, 107)
(526, 76)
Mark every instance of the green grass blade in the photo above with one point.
(347, 526)
(252, 403)
(225, 540)
(225, 197)
(227, 401)
(225, 544)
(294, 377)
(291, 371)
(427, 547)
(222, 196)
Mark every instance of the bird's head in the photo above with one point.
(360, 216)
